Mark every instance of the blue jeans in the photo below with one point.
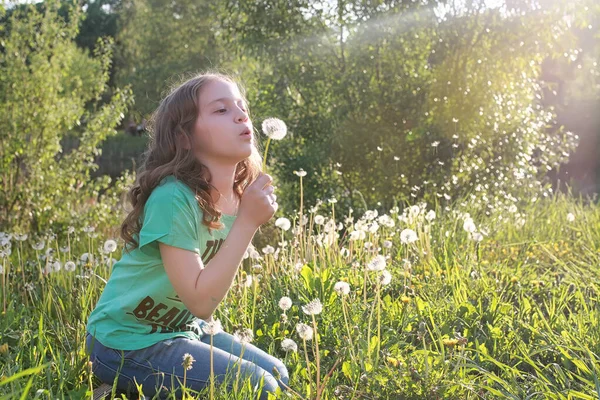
(158, 368)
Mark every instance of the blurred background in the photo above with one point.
(386, 102)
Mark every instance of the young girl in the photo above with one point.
(198, 200)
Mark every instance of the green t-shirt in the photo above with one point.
(139, 307)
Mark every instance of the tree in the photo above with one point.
(49, 89)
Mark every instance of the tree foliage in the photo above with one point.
(49, 89)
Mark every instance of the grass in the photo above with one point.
(513, 316)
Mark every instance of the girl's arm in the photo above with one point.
(201, 288)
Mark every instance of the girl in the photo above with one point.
(197, 202)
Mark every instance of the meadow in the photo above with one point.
(454, 300)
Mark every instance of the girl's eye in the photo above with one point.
(222, 109)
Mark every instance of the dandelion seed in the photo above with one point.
(342, 288)
(188, 360)
(396, 158)
(283, 223)
(300, 173)
(39, 245)
(289, 345)
(213, 327)
(313, 308)
(377, 263)
(304, 331)
(244, 335)
(110, 246)
(570, 217)
(387, 244)
(435, 144)
(408, 236)
(285, 303)
(70, 266)
(274, 128)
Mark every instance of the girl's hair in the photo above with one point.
(170, 126)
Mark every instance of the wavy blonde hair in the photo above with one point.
(171, 125)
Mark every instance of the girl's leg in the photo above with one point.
(264, 360)
(158, 368)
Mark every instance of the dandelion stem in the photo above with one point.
(254, 285)
(348, 328)
(264, 166)
(317, 358)
(307, 363)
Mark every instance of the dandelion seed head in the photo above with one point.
(377, 263)
(110, 246)
(244, 335)
(213, 327)
(342, 288)
(285, 303)
(313, 308)
(274, 128)
(289, 345)
(304, 331)
(283, 223)
(188, 360)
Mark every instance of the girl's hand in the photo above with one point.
(258, 203)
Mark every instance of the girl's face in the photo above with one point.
(223, 132)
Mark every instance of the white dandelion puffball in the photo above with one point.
(274, 128)
(283, 223)
(39, 245)
(469, 225)
(244, 335)
(300, 173)
(285, 303)
(70, 266)
(313, 308)
(385, 278)
(56, 266)
(188, 360)
(377, 263)
(268, 249)
(289, 345)
(304, 331)
(430, 215)
(319, 219)
(570, 217)
(110, 246)
(408, 236)
(387, 244)
(213, 327)
(342, 288)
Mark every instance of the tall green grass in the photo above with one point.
(515, 315)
